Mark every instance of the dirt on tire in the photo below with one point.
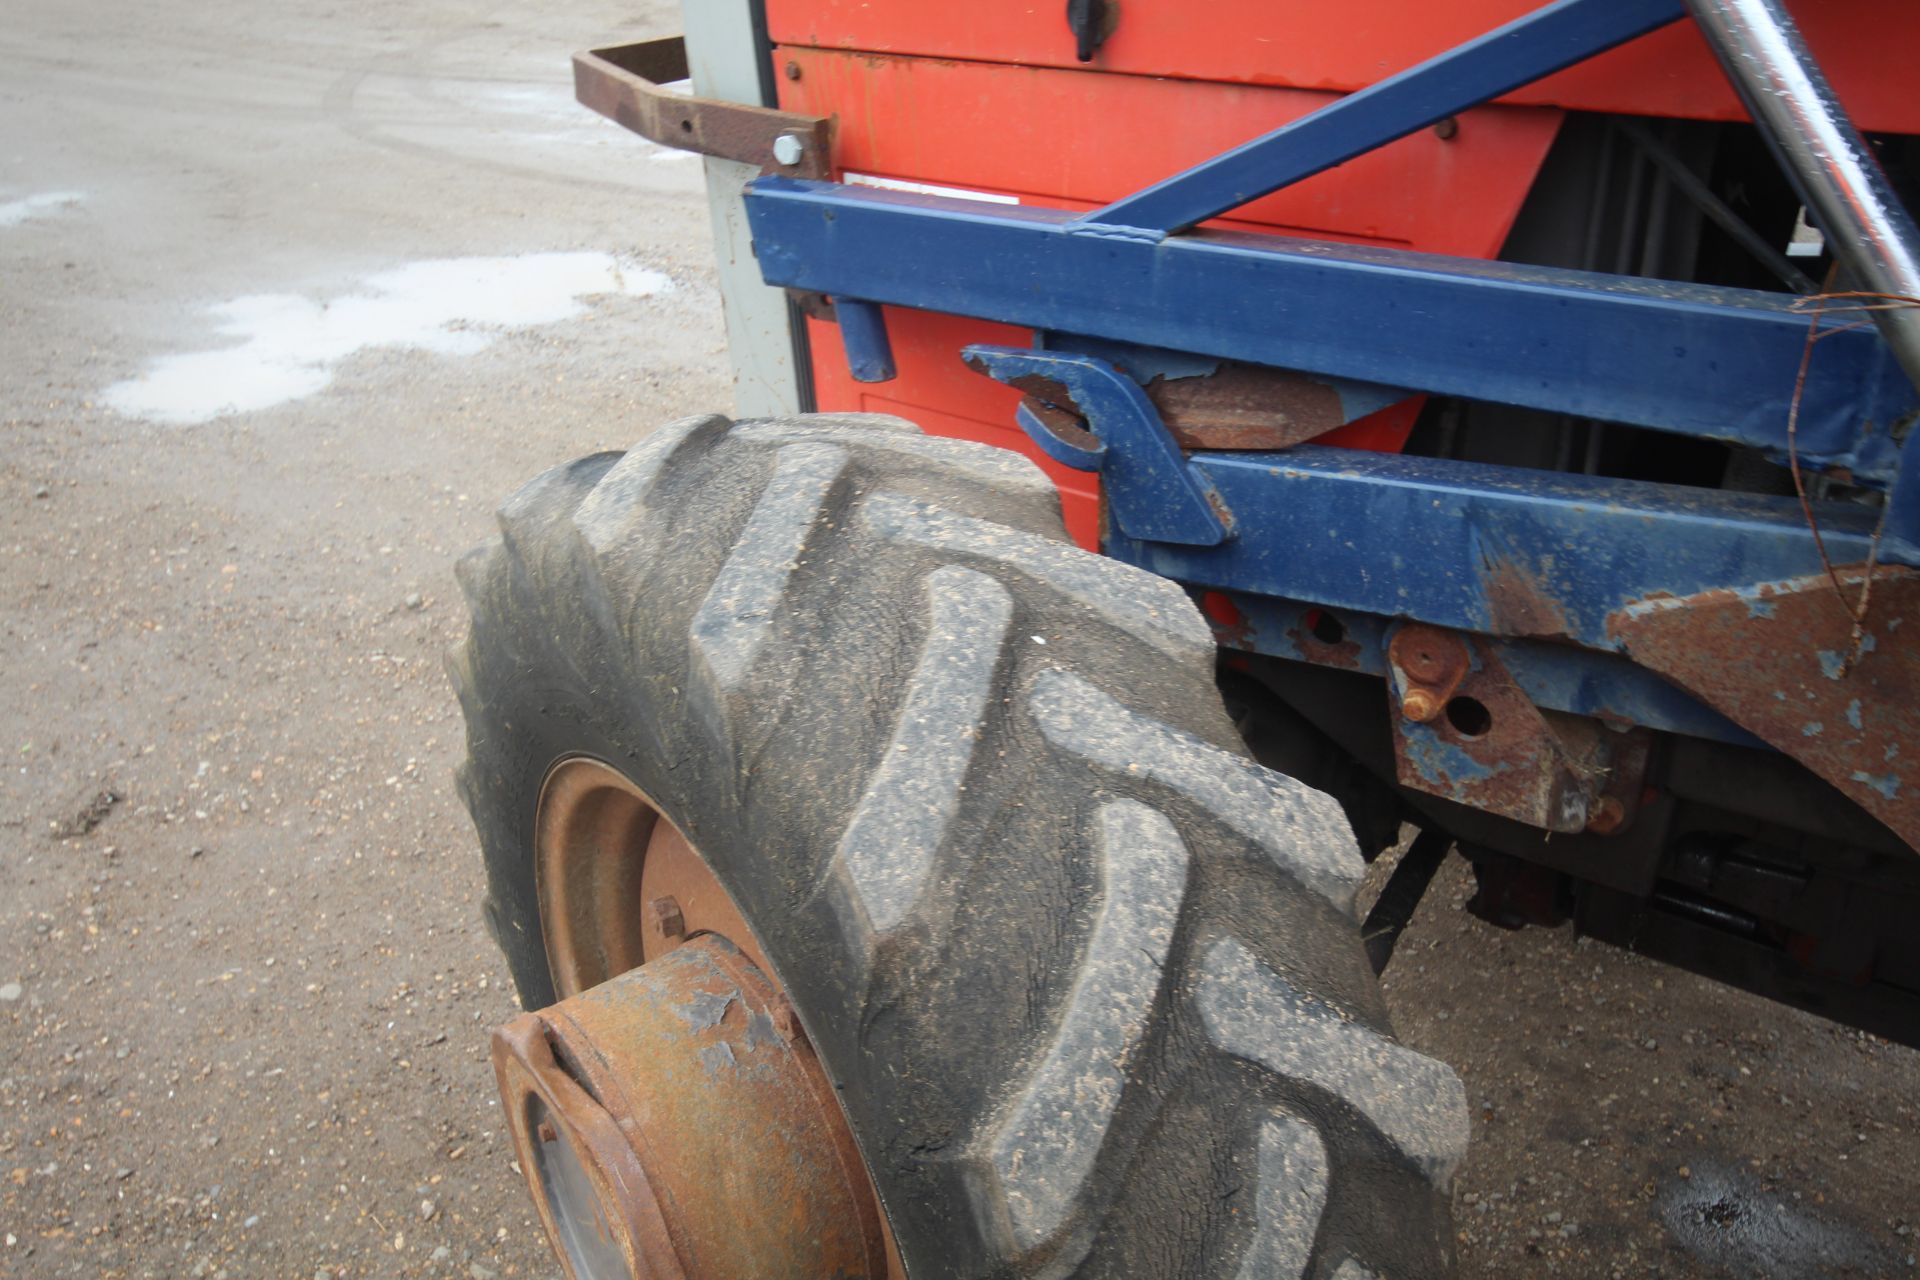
(1088, 977)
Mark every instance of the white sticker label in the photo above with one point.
(927, 188)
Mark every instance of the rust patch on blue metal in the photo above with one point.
(1502, 754)
(1343, 652)
(1230, 627)
(1773, 658)
(1520, 604)
(1245, 407)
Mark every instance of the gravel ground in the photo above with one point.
(1630, 1119)
(243, 982)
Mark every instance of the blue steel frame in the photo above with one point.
(1701, 361)
(1384, 536)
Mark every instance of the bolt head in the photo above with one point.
(1424, 662)
(788, 148)
(1420, 705)
(1608, 816)
(664, 915)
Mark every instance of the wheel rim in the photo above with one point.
(613, 872)
(670, 1096)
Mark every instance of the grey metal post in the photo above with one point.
(1867, 227)
(723, 56)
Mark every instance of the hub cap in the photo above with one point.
(669, 1114)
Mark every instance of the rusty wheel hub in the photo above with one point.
(671, 1119)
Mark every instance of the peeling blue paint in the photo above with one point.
(760, 1032)
(1443, 764)
(705, 1009)
(1887, 784)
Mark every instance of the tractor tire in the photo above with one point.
(1088, 978)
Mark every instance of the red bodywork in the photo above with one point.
(988, 97)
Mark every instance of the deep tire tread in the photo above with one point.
(1039, 912)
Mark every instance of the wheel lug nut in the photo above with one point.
(664, 915)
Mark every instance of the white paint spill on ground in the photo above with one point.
(15, 212)
(292, 344)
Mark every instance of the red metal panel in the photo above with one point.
(1866, 46)
(946, 398)
(1072, 140)
(935, 390)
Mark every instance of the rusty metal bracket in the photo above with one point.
(625, 84)
(1153, 493)
(1465, 731)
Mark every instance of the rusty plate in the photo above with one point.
(1774, 659)
(1466, 731)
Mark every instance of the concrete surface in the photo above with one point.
(270, 348)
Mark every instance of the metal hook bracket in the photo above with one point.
(1153, 493)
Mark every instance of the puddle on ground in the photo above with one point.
(15, 212)
(290, 345)
(1730, 1220)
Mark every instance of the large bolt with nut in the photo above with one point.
(1607, 816)
(1431, 664)
(1420, 705)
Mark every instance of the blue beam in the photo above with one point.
(1496, 550)
(1506, 58)
(1702, 361)
(863, 334)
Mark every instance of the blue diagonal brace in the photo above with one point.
(1153, 493)
(1506, 58)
